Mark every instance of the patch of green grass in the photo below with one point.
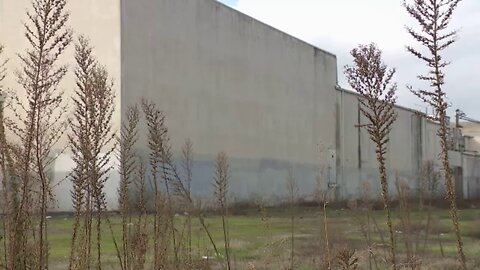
(251, 242)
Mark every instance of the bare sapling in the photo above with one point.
(292, 193)
(92, 142)
(372, 79)
(220, 184)
(127, 157)
(433, 18)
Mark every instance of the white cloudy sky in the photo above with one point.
(339, 25)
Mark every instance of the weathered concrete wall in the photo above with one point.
(98, 20)
(412, 142)
(471, 176)
(229, 82)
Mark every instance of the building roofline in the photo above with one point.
(273, 28)
(341, 89)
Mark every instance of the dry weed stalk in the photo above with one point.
(139, 242)
(292, 189)
(157, 133)
(182, 189)
(403, 194)
(325, 229)
(365, 227)
(38, 123)
(90, 139)
(161, 162)
(128, 163)
(323, 198)
(371, 78)
(187, 165)
(3, 69)
(429, 185)
(220, 183)
(79, 140)
(9, 179)
(265, 221)
(347, 260)
(3, 168)
(434, 17)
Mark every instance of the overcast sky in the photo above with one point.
(339, 25)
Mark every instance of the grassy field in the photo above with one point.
(258, 243)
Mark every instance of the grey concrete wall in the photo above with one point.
(471, 176)
(229, 82)
(412, 142)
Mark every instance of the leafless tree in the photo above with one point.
(372, 79)
(433, 18)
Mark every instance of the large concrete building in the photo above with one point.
(271, 101)
(229, 82)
